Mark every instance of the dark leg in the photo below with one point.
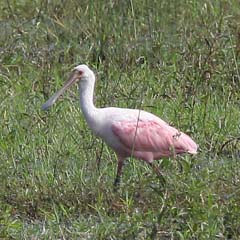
(158, 172)
(119, 171)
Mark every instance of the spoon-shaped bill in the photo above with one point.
(52, 99)
(72, 79)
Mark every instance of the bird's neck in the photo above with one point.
(86, 89)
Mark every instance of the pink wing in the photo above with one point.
(152, 136)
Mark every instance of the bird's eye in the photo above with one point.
(80, 72)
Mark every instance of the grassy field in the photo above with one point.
(177, 59)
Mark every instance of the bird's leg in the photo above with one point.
(157, 171)
(119, 171)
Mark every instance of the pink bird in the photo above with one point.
(129, 132)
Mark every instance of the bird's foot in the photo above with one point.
(162, 180)
(116, 183)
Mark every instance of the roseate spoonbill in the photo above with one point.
(129, 132)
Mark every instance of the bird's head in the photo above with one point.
(81, 73)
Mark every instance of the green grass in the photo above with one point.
(178, 60)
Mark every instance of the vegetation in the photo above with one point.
(176, 59)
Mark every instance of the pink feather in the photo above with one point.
(144, 137)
